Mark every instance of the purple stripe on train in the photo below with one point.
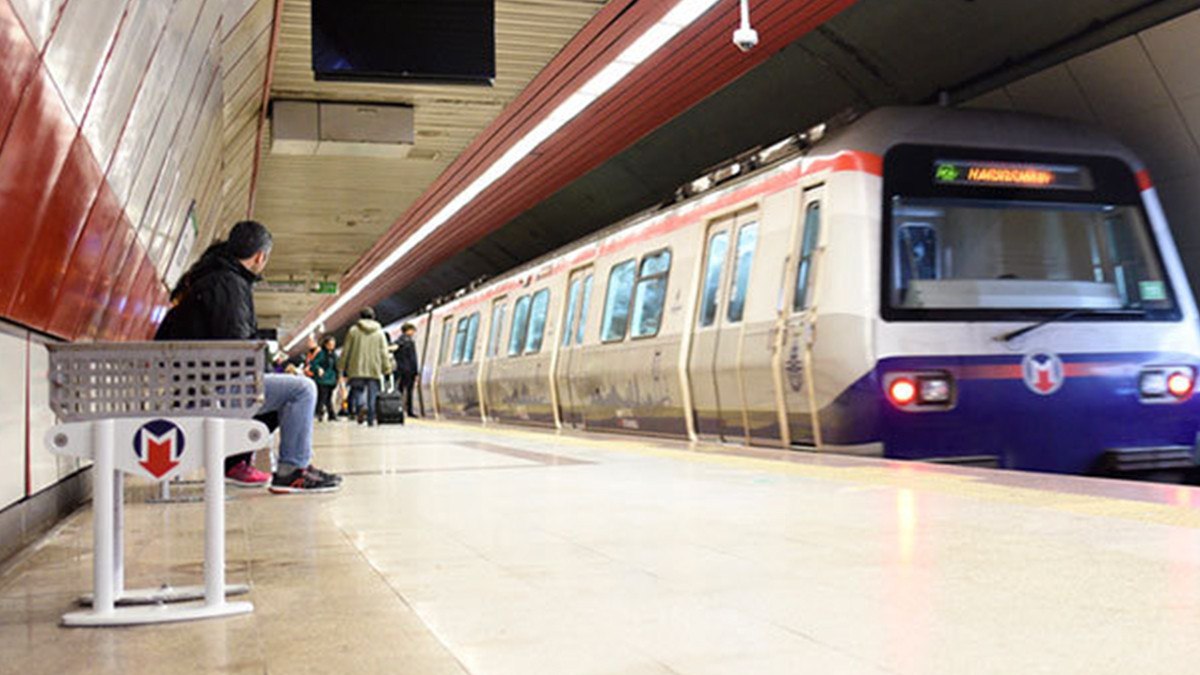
(1019, 410)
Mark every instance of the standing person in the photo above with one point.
(214, 300)
(324, 372)
(406, 365)
(365, 361)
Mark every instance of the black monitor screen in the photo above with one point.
(404, 40)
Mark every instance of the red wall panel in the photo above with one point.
(70, 262)
(118, 305)
(72, 305)
(136, 308)
(55, 236)
(30, 161)
(114, 258)
(18, 60)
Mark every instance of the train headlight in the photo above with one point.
(917, 392)
(934, 389)
(1153, 383)
(1167, 384)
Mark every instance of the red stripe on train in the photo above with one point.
(1013, 371)
(845, 161)
(1143, 180)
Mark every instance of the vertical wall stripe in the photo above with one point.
(28, 417)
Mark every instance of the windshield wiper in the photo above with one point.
(1070, 314)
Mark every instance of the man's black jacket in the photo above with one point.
(215, 301)
(406, 356)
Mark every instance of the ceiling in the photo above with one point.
(325, 212)
(873, 53)
(698, 60)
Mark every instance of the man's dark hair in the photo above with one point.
(327, 337)
(248, 238)
(407, 327)
(367, 313)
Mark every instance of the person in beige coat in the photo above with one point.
(365, 362)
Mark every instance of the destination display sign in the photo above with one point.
(1011, 174)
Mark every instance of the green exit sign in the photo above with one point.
(327, 287)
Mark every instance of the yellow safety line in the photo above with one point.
(918, 477)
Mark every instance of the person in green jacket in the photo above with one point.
(365, 361)
(324, 371)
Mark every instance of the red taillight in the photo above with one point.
(903, 391)
(1179, 384)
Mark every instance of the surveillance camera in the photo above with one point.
(745, 38)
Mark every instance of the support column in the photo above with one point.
(214, 511)
(103, 511)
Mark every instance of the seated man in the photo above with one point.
(214, 300)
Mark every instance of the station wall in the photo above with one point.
(1144, 89)
(111, 153)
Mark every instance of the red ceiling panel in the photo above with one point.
(55, 236)
(611, 30)
(72, 304)
(30, 161)
(18, 60)
(604, 128)
(697, 63)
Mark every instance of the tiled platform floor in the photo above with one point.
(456, 549)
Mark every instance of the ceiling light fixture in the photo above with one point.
(682, 15)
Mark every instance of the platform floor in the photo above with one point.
(454, 548)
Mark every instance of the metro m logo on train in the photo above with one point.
(1043, 373)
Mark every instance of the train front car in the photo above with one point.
(1034, 312)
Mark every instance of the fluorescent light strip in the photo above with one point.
(681, 16)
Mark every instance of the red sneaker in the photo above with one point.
(244, 475)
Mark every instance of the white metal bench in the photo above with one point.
(157, 410)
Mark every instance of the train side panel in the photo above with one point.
(626, 374)
(518, 382)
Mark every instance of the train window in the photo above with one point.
(718, 247)
(460, 340)
(746, 241)
(583, 308)
(918, 252)
(497, 329)
(572, 301)
(537, 321)
(520, 324)
(616, 304)
(1009, 255)
(447, 331)
(472, 335)
(808, 247)
(650, 294)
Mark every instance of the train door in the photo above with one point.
(799, 335)
(494, 341)
(579, 293)
(714, 362)
(443, 360)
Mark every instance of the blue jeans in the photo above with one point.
(366, 390)
(295, 398)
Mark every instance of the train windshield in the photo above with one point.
(978, 254)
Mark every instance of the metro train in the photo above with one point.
(949, 285)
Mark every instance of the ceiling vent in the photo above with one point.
(313, 128)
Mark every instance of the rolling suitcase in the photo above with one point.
(389, 408)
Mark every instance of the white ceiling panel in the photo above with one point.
(1173, 49)
(326, 211)
(1119, 80)
(1051, 92)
